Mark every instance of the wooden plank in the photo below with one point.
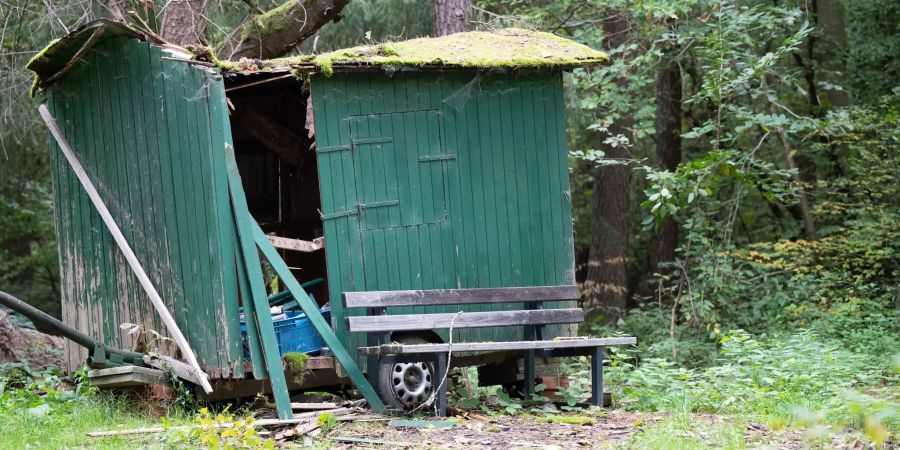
(369, 442)
(300, 418)
(394, 349)
(407, 423)
(125, 376)
(373, 299)
(311, 309)
(220, 127)
(253, 267)
(297, 244)
(314, 406)
(167, 318)
(408, 322)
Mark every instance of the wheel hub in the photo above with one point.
(411, 382)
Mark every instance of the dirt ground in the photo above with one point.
(481, 432)
(611, 429)
(24, 345)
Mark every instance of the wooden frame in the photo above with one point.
(384, 299)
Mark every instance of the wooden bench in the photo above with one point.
(534, 318)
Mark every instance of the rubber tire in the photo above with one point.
(385, 388)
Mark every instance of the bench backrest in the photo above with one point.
(377, 302)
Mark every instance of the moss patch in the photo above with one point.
(296, 363)
(501, 49)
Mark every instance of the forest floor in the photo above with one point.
(66, 426)
(609, 429)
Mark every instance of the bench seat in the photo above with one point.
(405, 349)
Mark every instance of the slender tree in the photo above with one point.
(452, 16)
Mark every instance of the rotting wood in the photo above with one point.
(297, 244)
(299, 418)
(394, 349)
(144, 280)
(408, 322)
(95, 36)
(377, 299)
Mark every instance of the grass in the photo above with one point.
(795, 390)
(690, 432)
(65, 423)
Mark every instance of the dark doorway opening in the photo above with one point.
(271, 124)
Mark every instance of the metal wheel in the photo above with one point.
(411, 382)
(406, 385)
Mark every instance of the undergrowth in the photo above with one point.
(799, 379)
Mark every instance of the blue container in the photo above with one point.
(294, 332)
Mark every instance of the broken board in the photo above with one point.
(125, 376)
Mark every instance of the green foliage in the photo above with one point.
(42, 410)
(778, 379)
(326, 421)
(224, 431)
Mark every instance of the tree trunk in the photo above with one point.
(276, 32)
(830, 18)
(605, 290)
(668, 149)
(451, 16)
(183, 21)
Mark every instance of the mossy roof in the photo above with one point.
(508, 48)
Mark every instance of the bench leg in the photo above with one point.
(597, 377)
(442, 392)
(529, 373)
(372, 366)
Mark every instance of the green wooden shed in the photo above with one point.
(425, 164)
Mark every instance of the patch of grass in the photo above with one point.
(687, 432)
(63, 421)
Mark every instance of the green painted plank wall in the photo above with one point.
(151, 135)
(468, 174)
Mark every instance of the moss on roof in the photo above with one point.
(506, 48)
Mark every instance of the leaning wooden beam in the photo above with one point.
(258, 297)
(296, 244)
(157, 301)
(311, 309)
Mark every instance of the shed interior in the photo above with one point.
(275, 151)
